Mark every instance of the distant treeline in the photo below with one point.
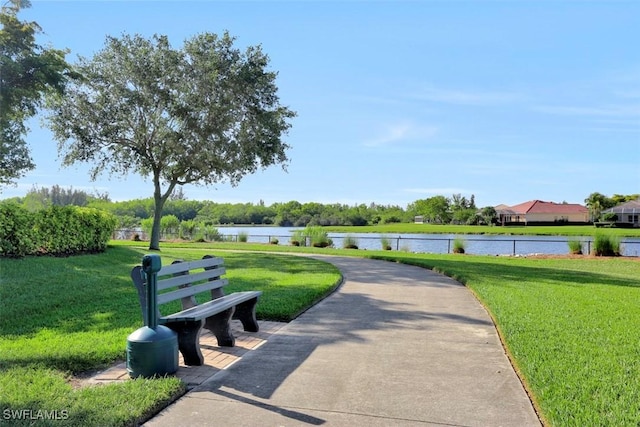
(131, 214)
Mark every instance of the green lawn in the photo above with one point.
(61, 317)
(571, 325)
(550, 230)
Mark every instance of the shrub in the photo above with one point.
(243, 237)
(459, 245)
(385, 242)
(318, 237)
(169, 225)
(68, 230)
(187, 227)
(16, 231)
(210, 233)
(575, 247)
(146, 224)
(315, 236)
(298, 238)
(54, 231)
(350, 242)
(273, 240)
(606, 245)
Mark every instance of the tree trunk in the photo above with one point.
(159, 200)
(154, 244)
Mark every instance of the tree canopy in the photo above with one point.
(27, 72)
(204, 114)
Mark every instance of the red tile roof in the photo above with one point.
(538, 206)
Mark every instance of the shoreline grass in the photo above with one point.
(549, 230)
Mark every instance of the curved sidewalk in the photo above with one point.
(396, 345)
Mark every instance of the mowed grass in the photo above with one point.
(531, 230)
(571, 325)
(289, 284)
(62, 317)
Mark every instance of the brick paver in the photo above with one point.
(215, 358)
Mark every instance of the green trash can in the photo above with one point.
(153, 349)
(151, 352)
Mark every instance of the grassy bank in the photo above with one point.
(572, 327)
(563, 230)
(61, 317)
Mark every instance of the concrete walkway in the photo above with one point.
(395, 346)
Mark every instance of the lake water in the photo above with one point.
(441, 243)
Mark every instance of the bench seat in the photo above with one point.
(214, 315)
(205, 310)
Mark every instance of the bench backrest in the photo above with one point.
(182, 281)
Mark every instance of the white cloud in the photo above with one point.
(603, 111)
(401, 132)
(462, 97)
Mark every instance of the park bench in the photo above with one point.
(183, 281)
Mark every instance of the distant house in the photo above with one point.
(539, 212)
(627, 213)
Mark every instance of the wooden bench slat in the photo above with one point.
(190, 265)
(191, 290)
(209, 308)
(181, 281)
(189, 278)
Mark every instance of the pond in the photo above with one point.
(442, 243)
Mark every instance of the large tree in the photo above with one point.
(203, 114)
(435, 209)
(27, 72)
(597, 202)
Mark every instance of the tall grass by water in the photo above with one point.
(606, 244)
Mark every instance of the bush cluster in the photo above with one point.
(56, 230)
(606, 245)
(459, 245)
(350, 242)
(313, 235)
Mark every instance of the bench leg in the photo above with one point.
(246, 313)
(220, 326)
(189, 341)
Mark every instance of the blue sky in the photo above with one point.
(404, 100)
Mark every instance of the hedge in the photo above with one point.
(58, 230)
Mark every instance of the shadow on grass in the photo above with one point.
(294, 265)
(78, 300)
